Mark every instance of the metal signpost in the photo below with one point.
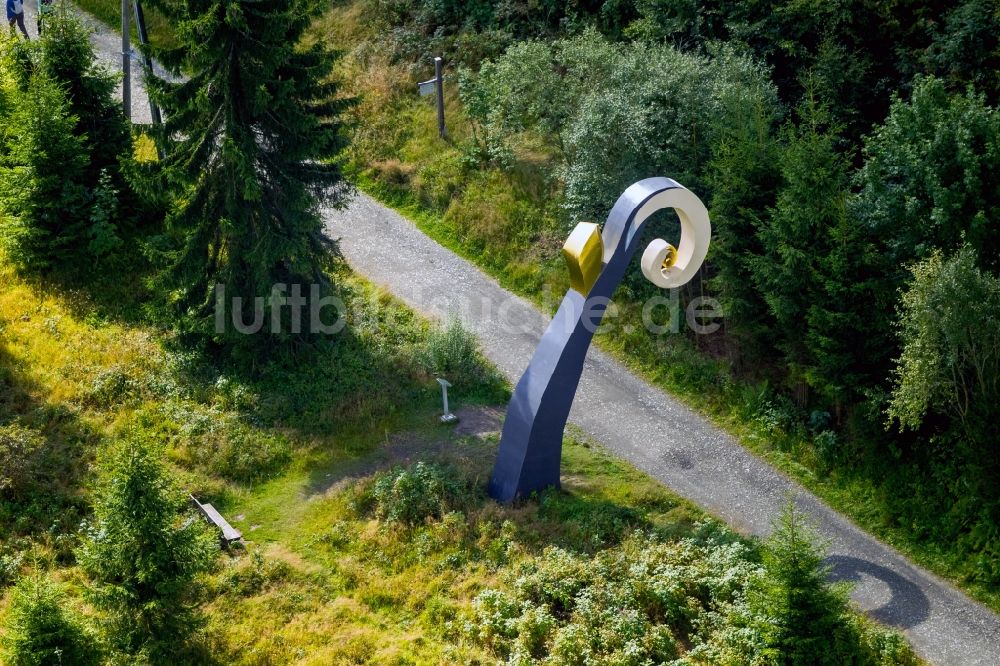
(126, 63)
(531, 442)
(436, 85)
(447, 416)
(140, 25)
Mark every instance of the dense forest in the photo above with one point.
(846, 152)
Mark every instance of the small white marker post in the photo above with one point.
(447, 417)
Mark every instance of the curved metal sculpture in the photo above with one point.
(531, 443)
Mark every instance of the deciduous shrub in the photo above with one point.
(414, 494)
(703, 599)
(947, 388)
(949, 363)
(652, 99)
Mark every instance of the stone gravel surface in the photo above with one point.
(108, 48)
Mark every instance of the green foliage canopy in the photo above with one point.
(44, 167)
(39, 631)
(142, 555)
(950, 332)
(64, 143)
(653, 101)
(251, 142)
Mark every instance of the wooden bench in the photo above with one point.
(229, 533)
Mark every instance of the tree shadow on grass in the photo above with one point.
(113, 292)
(49, 495)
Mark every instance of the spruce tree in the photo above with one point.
(65, 138)
(43, 168)
(68, 58)
(744, 180)
(39, 629)
(251, 142)
(815, 270)
(801, 617)
(142, 555)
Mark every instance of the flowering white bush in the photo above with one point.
(648, 601)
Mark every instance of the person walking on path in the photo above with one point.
(15, 16)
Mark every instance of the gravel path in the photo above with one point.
(655, 432)
(644, 425)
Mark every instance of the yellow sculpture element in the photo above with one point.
(584, 253)
(670, 259)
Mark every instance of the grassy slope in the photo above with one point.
(505, 223)
(81, 374)
(319, 582)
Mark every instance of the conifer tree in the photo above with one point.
(142, 556)
(44, 170)
(40, 630)
(744, 182)
(800, 615)
(68, 58)
(251, 142)
(815, 268)
(65, 139)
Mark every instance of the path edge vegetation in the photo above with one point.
(728, 415)
(141, 556)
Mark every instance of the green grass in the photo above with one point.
(322, 579)
(79, 374)
(352, 587)
(508, 223)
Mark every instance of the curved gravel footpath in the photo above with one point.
(640, 422)
(664, 438)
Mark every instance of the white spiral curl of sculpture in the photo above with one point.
(662, 263)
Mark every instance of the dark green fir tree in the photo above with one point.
(68, 58)
(251, 140)
(815, 270)
(802, 619)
